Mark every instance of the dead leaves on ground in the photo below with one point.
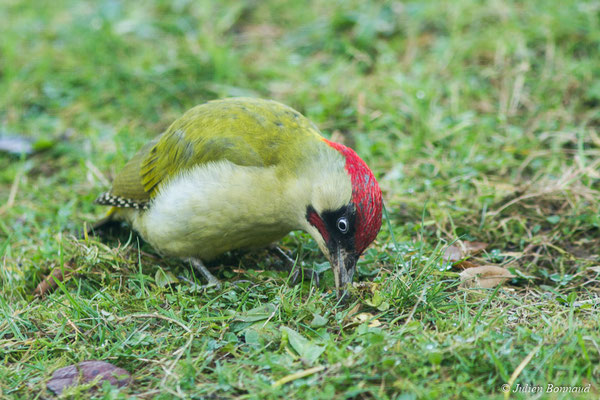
(58, 275)
(87, 372)
(462, 249)
(485, 277)
(473, 275)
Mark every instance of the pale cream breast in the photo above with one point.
(217, 207)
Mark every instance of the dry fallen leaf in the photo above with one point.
(349, 318)
(58, 274)
(453, 253)
(464, 265)
(87, 371)
(474, 247)
(366, 317)
(486, 276)
(460, 250)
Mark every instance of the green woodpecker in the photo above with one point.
(241, 173)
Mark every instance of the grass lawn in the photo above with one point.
(479, 119)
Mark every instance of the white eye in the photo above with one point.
(342, 224)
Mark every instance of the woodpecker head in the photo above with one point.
(344, 215)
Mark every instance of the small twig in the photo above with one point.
(562, 184)
(13, 192)
(298, 375)
(519, 81)
(181, 324)
(412, 312)
(520, 368)
(73, 325)
(271, 316)
(97, 173)
(519, 199)
(178, 353)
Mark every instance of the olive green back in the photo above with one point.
(244, 131)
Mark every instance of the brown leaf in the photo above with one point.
(594, 269)
(365, 287)
(464, 265)
(453, 253)
(474, 247)
(349, 318)
(49, 283)
(87, 371)
(363, 317)
(460, 250)
(486, 276)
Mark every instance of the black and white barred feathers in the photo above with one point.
(108, 199)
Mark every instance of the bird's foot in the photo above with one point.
(194, 286)
(297, 275)
(199, 266)
(296, 272)
(283, 256)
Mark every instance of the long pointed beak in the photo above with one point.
(343, 265)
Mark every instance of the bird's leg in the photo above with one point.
(296, 271)
(199, 266)
(289, 261)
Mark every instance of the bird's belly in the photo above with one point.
(207, 242)
(214, 209)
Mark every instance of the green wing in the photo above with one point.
(244, 131)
